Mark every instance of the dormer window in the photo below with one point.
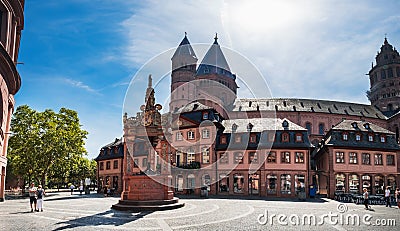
(271, 137)
(383, 139)
(205, 115)
(234, 127)
(250, 127)
(366, 125)
(285, 137)
(285, 124)
(299, 137)
(223, 140)
(354, 125)
(345, 136)
(358, 137)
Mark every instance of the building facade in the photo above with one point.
(110, 166)
(11, 25)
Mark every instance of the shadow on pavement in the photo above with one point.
(109, 217)
(233, 197)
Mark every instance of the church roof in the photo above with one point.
(260, 125)
(194, 106)
(214, 62)
(184, 49)
(308, 105)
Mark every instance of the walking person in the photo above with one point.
(366, 196)
(72, 188)
(397, 196)
(32, 196)
(387, 197)
(40, 195)
(81, 189)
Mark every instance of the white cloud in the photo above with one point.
(80, 85)
(305, 49)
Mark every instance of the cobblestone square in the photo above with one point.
(63, 211)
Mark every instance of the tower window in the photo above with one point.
(383, 74)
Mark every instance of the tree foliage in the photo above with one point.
(45, 143)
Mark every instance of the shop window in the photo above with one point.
(390, 160)
(115, 164)
(340, 183)
(223, 183)
(223, 158)
(378, 159)
(299, 183)
(354, 183)
(115, 182)
(271, 157)
(253, 158)
(254, 181)
(286, 184)
(391, 182)
(366, 158)
(378, 184)
(238, 183)
(108, 165)
(339, 157)
(271, 184)
(299, 157)
(205, 153)
(238, 158)
(366, 182)
(353, 158)
(285, 157)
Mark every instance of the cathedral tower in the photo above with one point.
(384, 79)
(184, 64)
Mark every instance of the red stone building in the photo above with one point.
(11, 25)
(110, 166)
(356, 155)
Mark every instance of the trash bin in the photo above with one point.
(313, 191)
(204, 192)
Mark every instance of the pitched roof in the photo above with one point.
(362, 126)
(194, 106)
(308, 105)
(260, 125)
(185, 49)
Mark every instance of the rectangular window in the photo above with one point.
(136, 163)
(205, 134)
(370, 138)
(285, 137)
(378, 159)
(115, 164)
(390, 160)
(238, 138)
(285, 157)
(271, 157)
(101, 165)
(108, 165)
(383, 139)
(223, 158)
(238, 158)
(353, 158)
(253, 158)
(299, 138)
(299, 157)
(144, 163)
(339, 157)
(206, 155)
(345, 137)
(190, 157)
(366, 159)
(179, 136)
(358, 137)
(190, 135)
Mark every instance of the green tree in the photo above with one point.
(43, 141)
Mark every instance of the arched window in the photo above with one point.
(206, 181)
(309, 127)
(191, 183)
(179, 183)
(321, 128)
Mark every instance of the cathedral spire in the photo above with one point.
(150, 98)
(216, 38)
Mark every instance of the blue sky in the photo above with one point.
(82, 54)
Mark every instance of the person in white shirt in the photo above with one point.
(387, 197)
(32, 196)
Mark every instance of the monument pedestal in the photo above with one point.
(144, 193)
